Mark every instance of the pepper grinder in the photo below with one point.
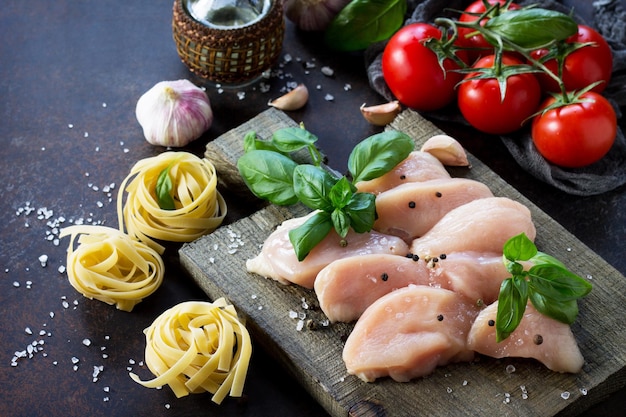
(230, 42)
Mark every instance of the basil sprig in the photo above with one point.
(163, 190)
(271, 174)
(551, 288)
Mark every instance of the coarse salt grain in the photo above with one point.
(86, 342)
(510, 369)
(565, 395)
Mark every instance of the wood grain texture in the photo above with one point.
(217, 263)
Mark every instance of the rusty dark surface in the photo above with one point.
(84, 65)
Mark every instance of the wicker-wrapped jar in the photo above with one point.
(230, 56)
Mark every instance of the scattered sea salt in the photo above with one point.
(565, 395)
(510, 369)
(328, 71)
(86, 342)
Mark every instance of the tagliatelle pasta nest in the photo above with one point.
(198, 209)
(111, 267)
(198, 346)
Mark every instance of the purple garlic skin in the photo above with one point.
(313, 15)
(174, 113)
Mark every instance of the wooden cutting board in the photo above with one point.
(313, 353)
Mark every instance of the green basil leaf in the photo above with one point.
(249, 141)
(341, 222)
(544, 258)
(292, 139)
(519, 248)
(557, 283)
(252, 143)
(564, 311)
(530, 28)
(312, 186)
(163, 190)
(379, 154)
(306, 236)
(512, 302)
(362, 212)
(515, 268)
(341, 193)
(269, 175)
(364, 22)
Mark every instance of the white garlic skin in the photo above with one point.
(174, 113)
(313, 15)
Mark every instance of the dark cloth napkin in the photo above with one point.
(605, 175)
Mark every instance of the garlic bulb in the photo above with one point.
(313, 15)
(174, 113)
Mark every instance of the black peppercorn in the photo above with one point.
(384, 276)
(538, 339)
(438, 194)
(440, 317)
(411, 204)
(491, 323)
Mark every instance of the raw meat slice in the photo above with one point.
(410, 210)
(346, 287)
(278, 260)
(408, 333)
(482, 225)
(418, 166)
(537, 336)
(477, 276)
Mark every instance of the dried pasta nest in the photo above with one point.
(198, 346)
(109, 266)
(229, 56)
(199, 208)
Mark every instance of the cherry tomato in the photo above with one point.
(412, 71)
(577, 134)
(481, 104)
(477, 40)
(582, 67)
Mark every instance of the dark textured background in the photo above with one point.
(60, 61)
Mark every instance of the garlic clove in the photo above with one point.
(174, 113)
(382, 114)
(293, 100)
(447, 150)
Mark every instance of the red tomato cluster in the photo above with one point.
(571, 135)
